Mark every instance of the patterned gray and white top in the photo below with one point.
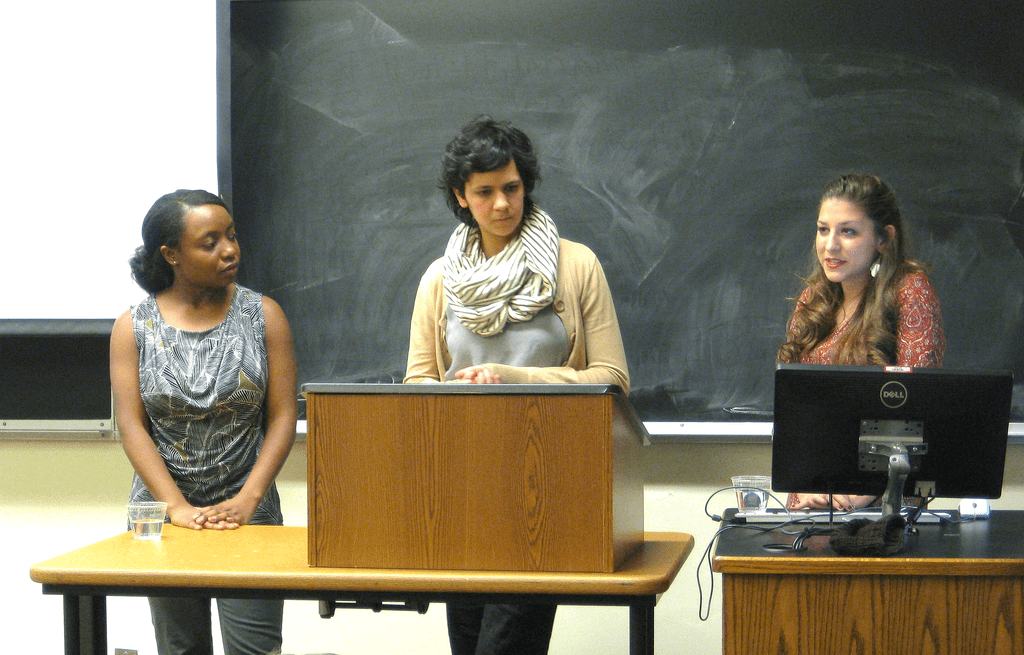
(204, 394)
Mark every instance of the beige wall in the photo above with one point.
(59, 495)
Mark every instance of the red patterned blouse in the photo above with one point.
(920, 339)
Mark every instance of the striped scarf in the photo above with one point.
(515, 284)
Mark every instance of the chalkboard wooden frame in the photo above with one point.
(702, 242)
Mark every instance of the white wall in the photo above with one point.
(107, 106)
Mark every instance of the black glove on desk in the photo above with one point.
(865, 538)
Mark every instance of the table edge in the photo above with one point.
(648, 572)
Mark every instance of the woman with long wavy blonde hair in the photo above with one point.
(866, 302)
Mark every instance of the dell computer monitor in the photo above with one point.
(838, 428)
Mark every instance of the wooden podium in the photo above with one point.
(478, 477)
(957, 589)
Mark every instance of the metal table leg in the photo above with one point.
(641, 629)
(85, 625)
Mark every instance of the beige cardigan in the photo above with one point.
(582, 301)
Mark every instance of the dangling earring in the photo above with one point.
(875, 265)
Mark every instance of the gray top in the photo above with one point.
(541, 341)
(204, 394)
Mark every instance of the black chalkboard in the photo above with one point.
(685, 142)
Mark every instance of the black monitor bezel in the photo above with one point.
(816, 431)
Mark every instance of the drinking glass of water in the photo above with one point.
(147, 519)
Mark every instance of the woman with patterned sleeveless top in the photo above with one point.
(204, 384)
(508, 302)
(866, 302)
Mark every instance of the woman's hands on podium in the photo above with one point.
(477, 375)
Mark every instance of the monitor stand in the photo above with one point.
(895, 446)
(899, 469)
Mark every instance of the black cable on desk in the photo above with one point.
(800, 537)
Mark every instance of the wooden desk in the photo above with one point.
(270, 562)
(956, 590)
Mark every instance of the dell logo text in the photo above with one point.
(893, 395)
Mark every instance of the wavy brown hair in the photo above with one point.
(872, 336)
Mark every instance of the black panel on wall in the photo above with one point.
(685, 142)
(55, 370)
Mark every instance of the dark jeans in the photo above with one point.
(500, 629)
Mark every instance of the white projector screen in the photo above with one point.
(108, 105)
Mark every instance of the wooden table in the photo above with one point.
(957, 589)
(270, 562)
